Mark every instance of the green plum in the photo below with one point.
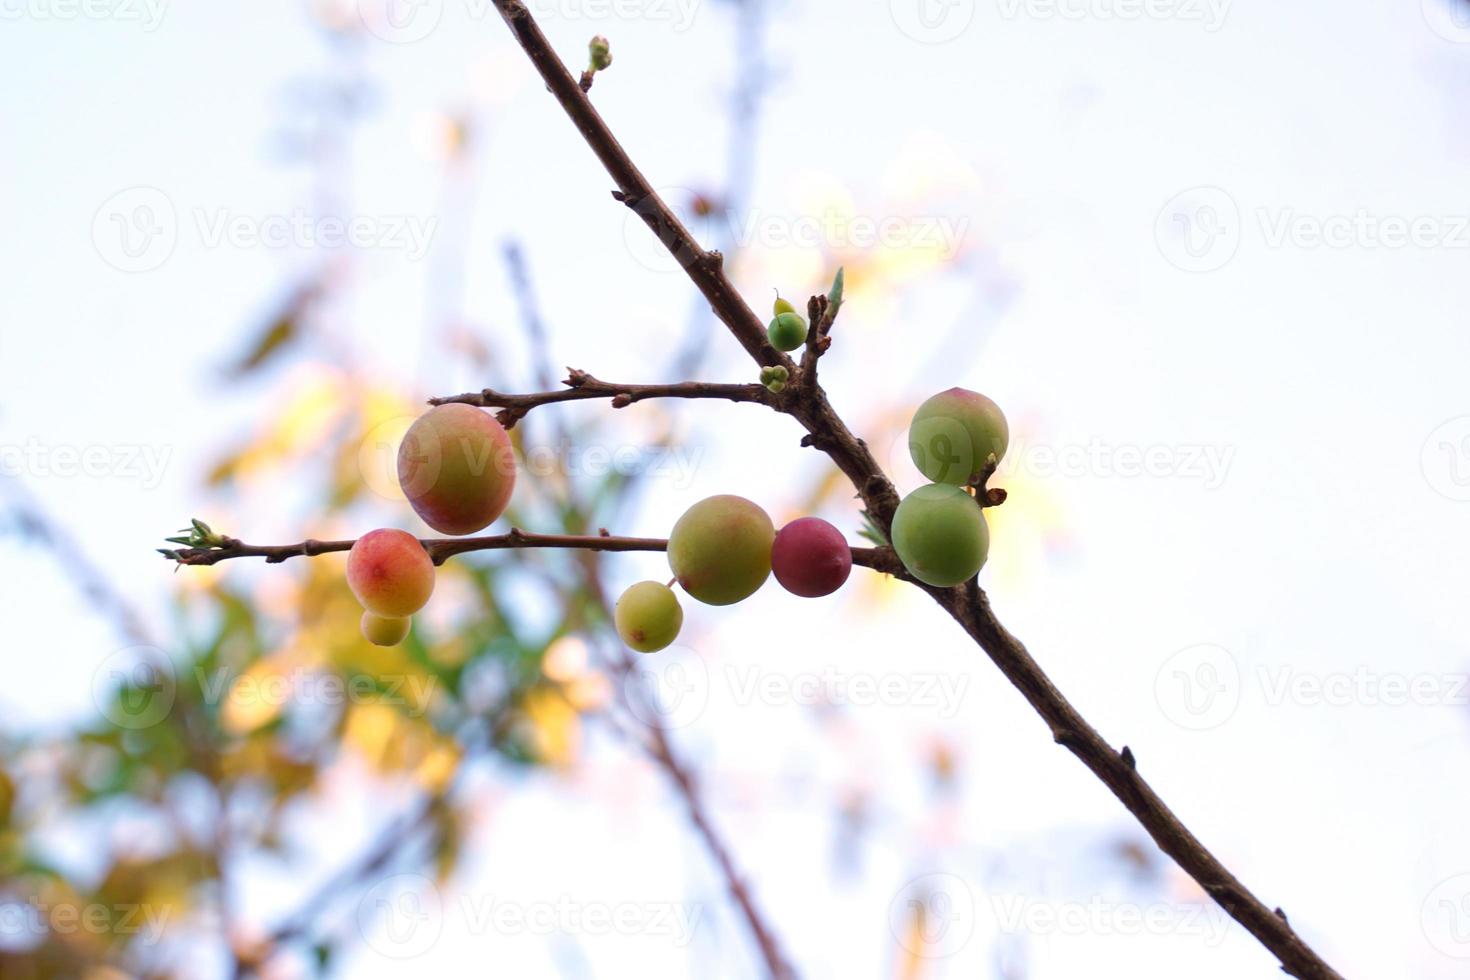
(457, 468)
(940, 535)
(954, 432)
(787, 331)
(390, 573)
(384, 631)
(648, 616)
(720, 550)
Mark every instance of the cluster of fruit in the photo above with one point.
(939, 530)
(457, 469)
(721, 551)
(723, 548)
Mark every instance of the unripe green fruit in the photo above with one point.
(940, 535)
(954, 433)
(457, 468)
(775, 378)
(390, 573)
(787, 331)
(720, 550)
(384, 631)
(782, 306)
(648, 616)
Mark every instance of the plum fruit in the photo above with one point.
(720, 550)
(787, 331)
(457, 468)
(811, 558)
(954, 432)
(384, 631)
(940, 535)
(390, 573)
(648, 616)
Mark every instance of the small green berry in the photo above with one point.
(782, 306)
(787, 331)
(775, 378)
(384, 631)
(648, 616)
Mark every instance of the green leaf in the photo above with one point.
(834, 298)
(872, 532)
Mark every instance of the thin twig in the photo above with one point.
(441, 549)
(582, 386)
(968, 606)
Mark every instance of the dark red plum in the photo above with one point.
(811, 558)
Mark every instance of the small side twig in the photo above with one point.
(582, 386)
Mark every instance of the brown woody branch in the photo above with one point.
(968, 605)
(441, 549)
(582, 386)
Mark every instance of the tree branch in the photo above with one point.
(582, 386)
(967, 604)
(441, 549)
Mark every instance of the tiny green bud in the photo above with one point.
(775, 378)
(787, 331)
(601, 53)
